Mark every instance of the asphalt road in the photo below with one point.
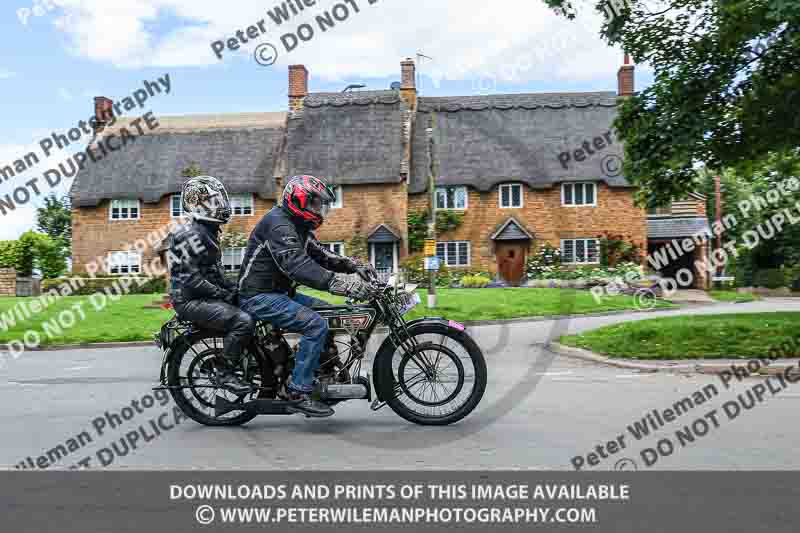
(540, 411)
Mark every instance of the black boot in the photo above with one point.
(304, 403)
(227, 378)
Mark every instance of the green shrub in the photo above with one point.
(417, 223)
(475, 281)
(35, 250)
(87, 285)
(617, 249)
(413, 269)
(542, 262)
(771, 278)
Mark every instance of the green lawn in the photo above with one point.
(128, 320)
(687, 337)
(123, 320)
(491, 304)
(733, 296)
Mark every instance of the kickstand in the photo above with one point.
(377, 405)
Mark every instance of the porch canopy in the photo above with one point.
(383, 233)
(511, 230)
(673, 228)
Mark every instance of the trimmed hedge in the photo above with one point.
(88, 285)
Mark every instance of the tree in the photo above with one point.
(55, 218)
(726, 89)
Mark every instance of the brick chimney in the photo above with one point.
(298, 86)
(408, 82)
(103, 112)
(625, 84)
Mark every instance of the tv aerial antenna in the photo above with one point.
(420, 57)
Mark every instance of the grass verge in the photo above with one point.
(695, 337)
(733, 296)
(128, 320)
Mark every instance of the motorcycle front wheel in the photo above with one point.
(441, 381)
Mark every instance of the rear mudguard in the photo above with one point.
(382, 365)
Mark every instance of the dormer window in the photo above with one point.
(124, 209)
(451, 197)
(579, 194)
(510, 196)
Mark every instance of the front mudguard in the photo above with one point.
(382, 365)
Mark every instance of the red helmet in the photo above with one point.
(307, 198)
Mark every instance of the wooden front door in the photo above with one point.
(511, 260)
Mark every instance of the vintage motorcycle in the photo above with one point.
(429, 371)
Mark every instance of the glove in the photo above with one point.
(350, 286)
(366, 271)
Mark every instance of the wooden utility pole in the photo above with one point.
(432, 218)
(718, 210)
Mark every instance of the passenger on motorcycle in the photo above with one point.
(282, 252)
(199, 291)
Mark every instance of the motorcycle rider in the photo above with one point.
(199, 291)
(282, 252)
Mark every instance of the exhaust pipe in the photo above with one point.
(343, 392)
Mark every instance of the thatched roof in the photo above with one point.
(481, 141)
(241, 149)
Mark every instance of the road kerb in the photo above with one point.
(680, 368)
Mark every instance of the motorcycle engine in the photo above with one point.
(330, 364)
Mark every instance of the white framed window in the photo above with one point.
(580, 251)
(337, 191)
(241, 205)
(579, 194)
(124, 263)
(453, 253)
(335, 247)
(176, 206)
(124, 209)
(232, 259)
(510, 196)
(451, 197)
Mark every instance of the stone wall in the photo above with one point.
(95, 235)
(545, 218)
(364, 207)
(8, 282)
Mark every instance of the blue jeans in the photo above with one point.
(293, 315)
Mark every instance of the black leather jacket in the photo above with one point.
(195, 261)
(282, 252)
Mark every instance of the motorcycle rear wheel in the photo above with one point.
(190, 364)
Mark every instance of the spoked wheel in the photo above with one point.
(441, 381)
(192, 367)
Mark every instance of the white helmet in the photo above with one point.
(205, 198)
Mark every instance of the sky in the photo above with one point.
(59, 54)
